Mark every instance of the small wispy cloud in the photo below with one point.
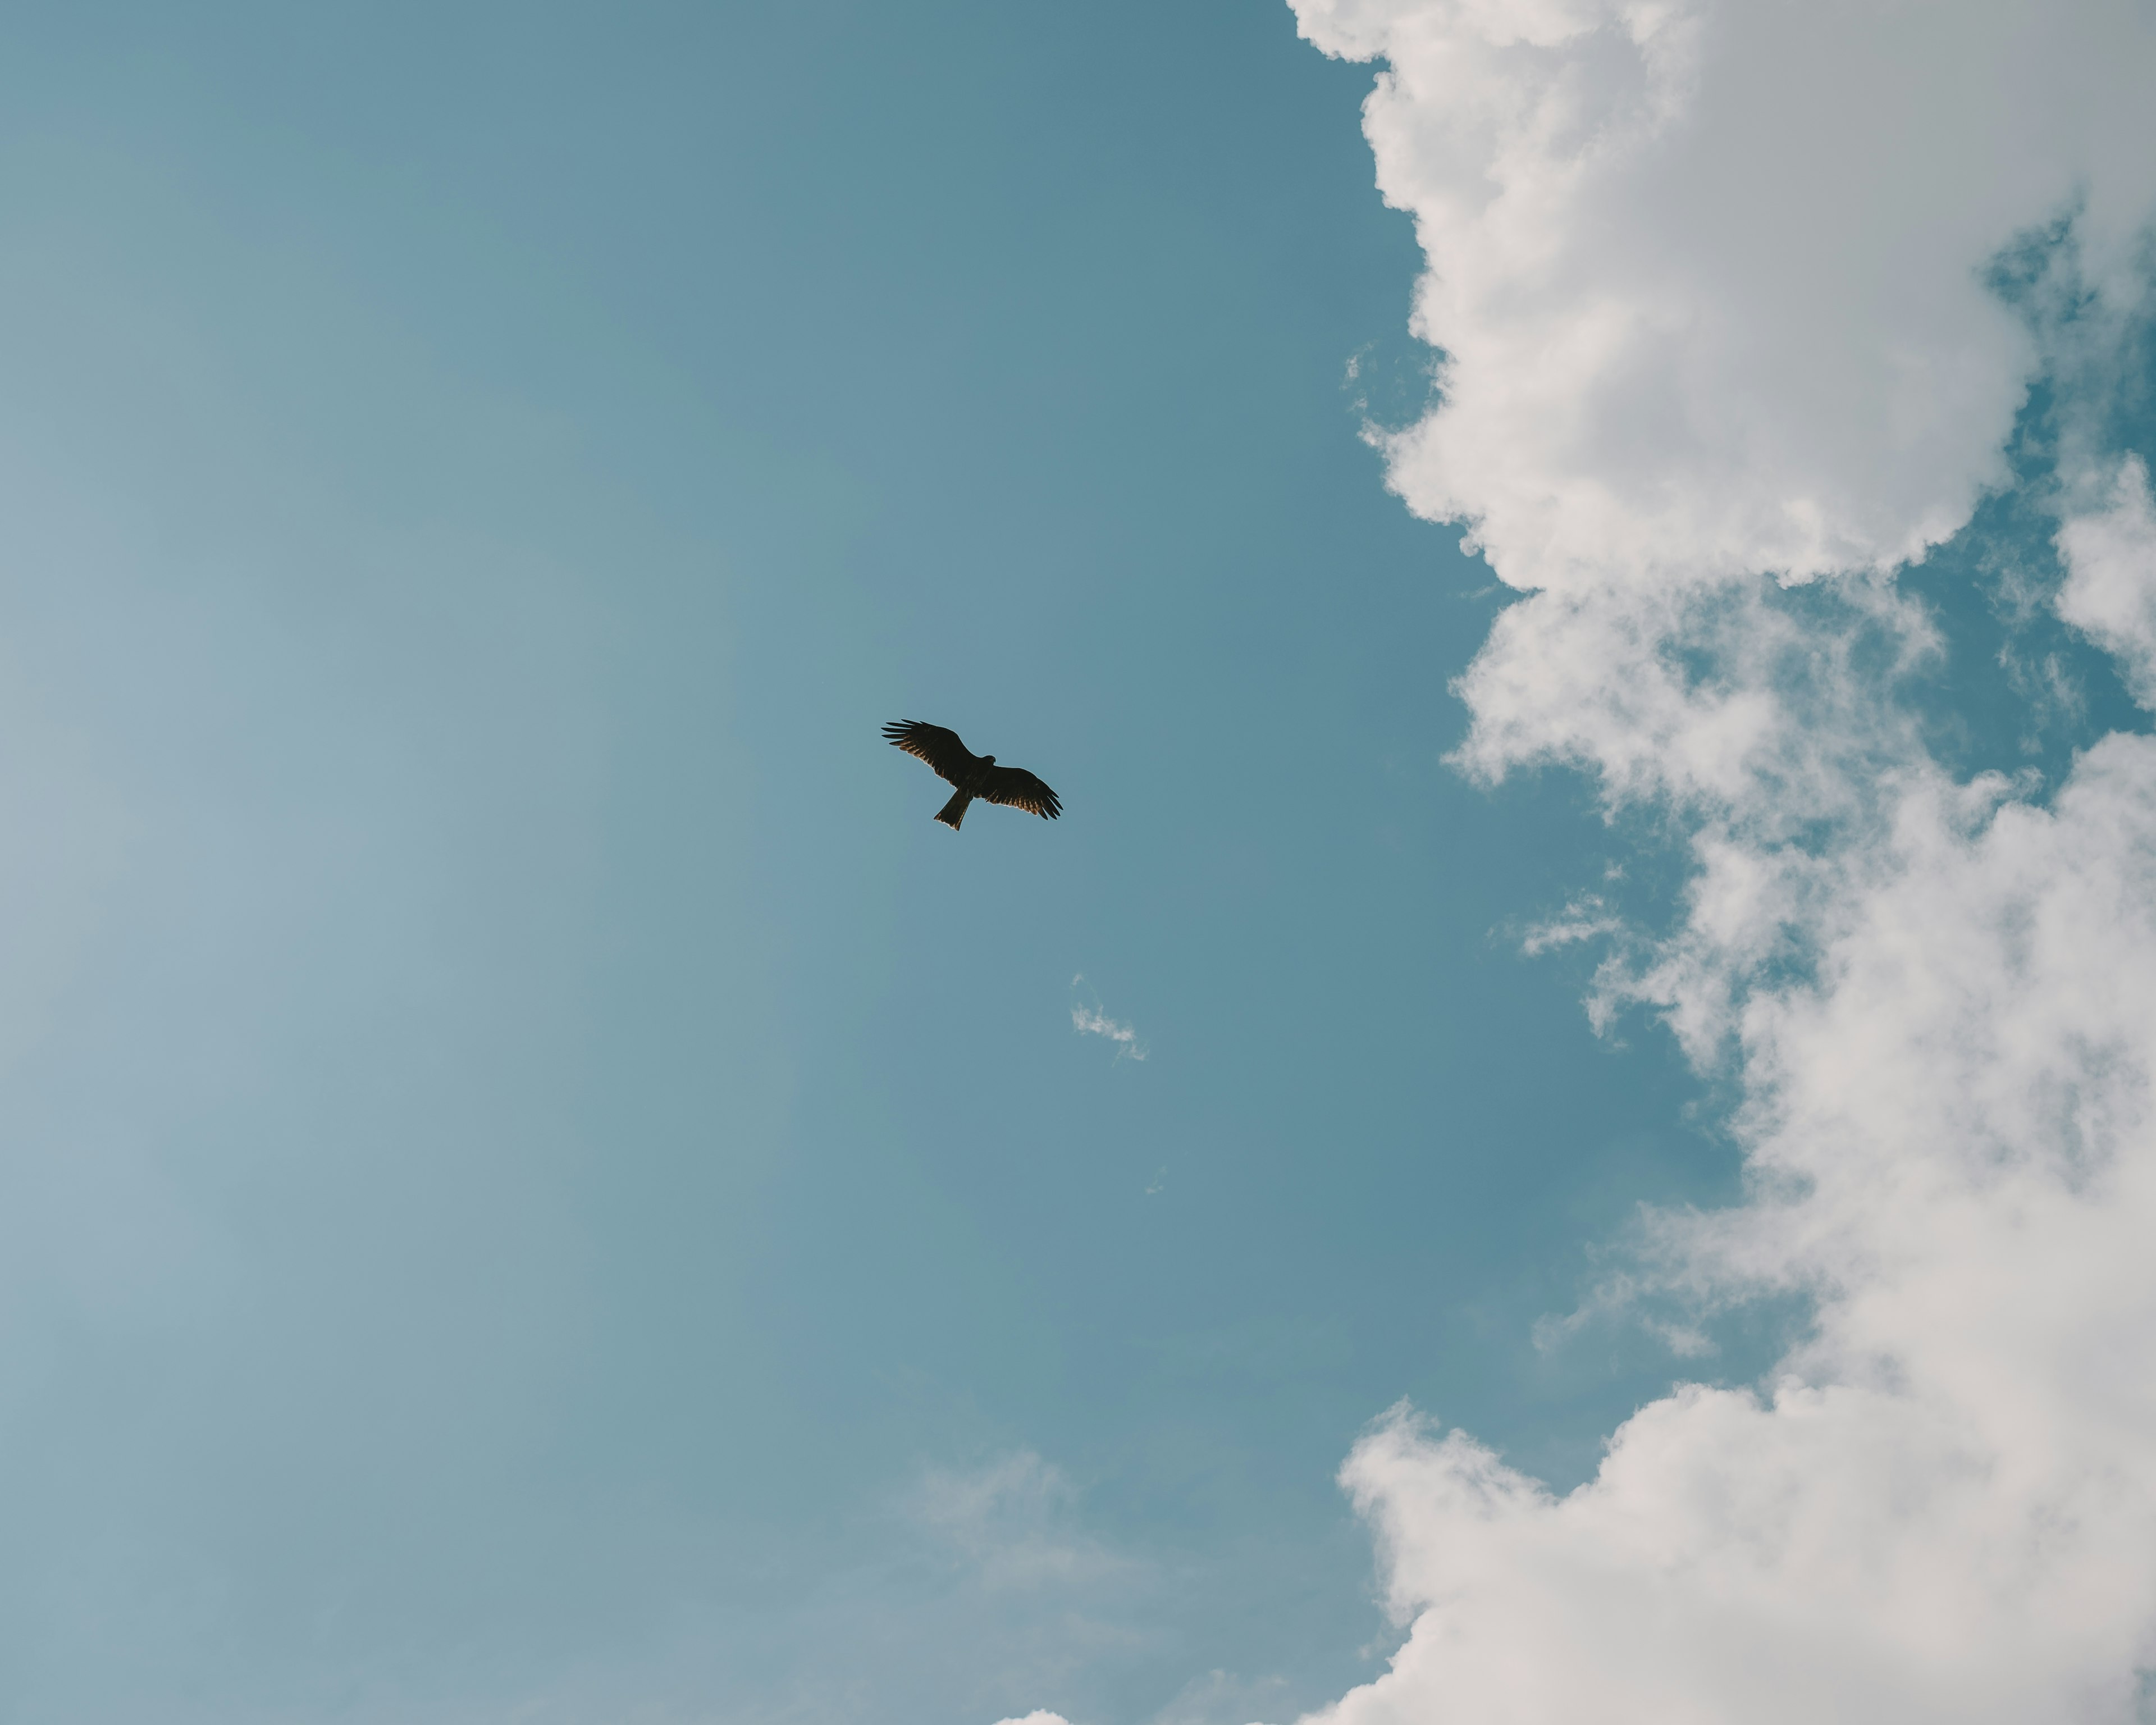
(1092, 1021)
(1014, 1520)
(1586, 918)
(1220, 1697)
(1099, 1023)
(1660, 1304)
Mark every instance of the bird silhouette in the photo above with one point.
(975, 775)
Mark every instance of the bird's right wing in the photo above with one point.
(1015, 788)
(939, 748)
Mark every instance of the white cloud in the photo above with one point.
(1707, 277)
(1709, 280)
(1946, 1509)
(2110, 591)
(1037, 1719)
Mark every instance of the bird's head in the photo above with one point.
(989, 760)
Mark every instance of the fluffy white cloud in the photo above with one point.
(1707, 277)
(1946, 1509)
(1709, 280)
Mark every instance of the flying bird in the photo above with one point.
(975, 775)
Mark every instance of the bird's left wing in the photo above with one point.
(953, 762)
(1015, 788)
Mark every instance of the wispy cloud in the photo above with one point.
(1092, 1021)
(1224, 1698)
(1013, 1519)
(1626, 1297)
(1585, 918)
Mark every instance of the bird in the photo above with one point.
(975, 775)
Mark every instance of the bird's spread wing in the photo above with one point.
(939, 748)
(1017, 789)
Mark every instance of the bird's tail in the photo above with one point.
(954, 811)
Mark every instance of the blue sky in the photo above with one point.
(536, 1182)
(527, 1147)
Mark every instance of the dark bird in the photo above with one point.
(975, 775)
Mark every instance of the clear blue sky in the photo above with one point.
(533, 1175)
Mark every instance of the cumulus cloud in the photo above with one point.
(1707, 277)
(1710, 282)
(1945, 1507)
